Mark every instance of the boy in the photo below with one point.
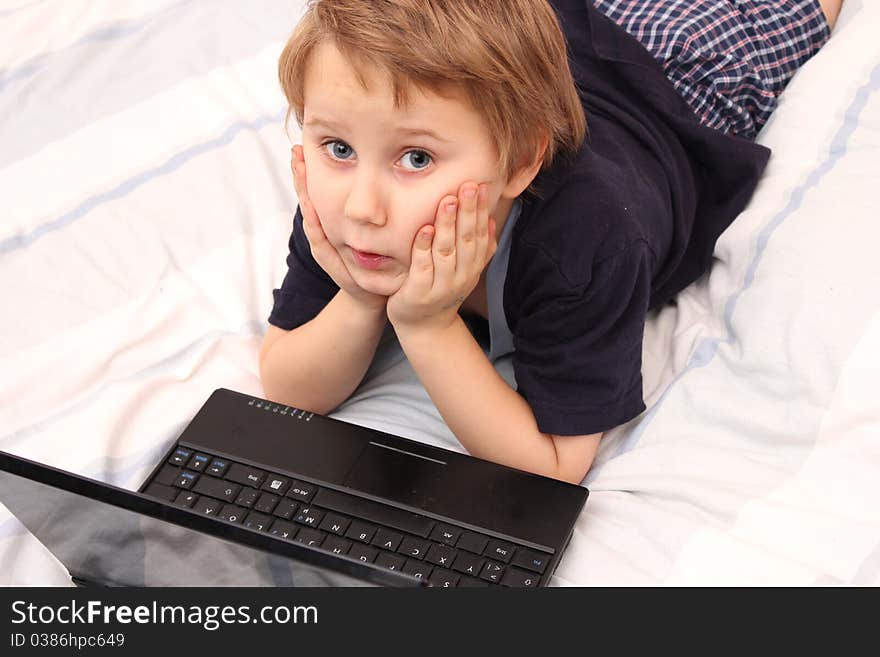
(448, 181)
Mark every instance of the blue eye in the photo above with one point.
(420, 159)
(340, 149)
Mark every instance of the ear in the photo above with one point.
(527, 171)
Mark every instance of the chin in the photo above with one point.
(383, 284)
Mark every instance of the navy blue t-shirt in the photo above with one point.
(607, 237)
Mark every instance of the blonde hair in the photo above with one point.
(508, 58)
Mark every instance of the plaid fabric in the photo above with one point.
(729, 59)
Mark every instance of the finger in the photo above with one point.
(321, 248)
(483, 227)
(300, 182)
(312, 227)
(466, 229)
(421, 270)
(311, 224)
(298, 169)
(443, 245)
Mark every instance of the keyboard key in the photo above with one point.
(186, 479)
(441, 555)
(363, 552)
(499, 550)
(518, 577)
(536, 561)
(219, 488)
(283, 529)
(492, 571)
(311, 537)
(258, 521)
(472, 542)
(309, 515)
(387, 539)
(335, 524)
(276, 484)
(232, 513)
(246, 475)
(207, 506)
(180, 456)
(443, 578)
(418, 569)
(199, 462)
(161, 491)
(247, 497)
(218, 467)
(361, 531)
(445, 534)
(266, 503)
(286, 508)
(468, 564)
(335, 544)
(186, 499)
(381, 514)
(301, 491)
(413, 547)
(167, 475)
(390, 561)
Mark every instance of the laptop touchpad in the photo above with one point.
(397, 475)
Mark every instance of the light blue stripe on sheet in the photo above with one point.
(100, 34)
(708, 347)
(121, 64)
(126, 187)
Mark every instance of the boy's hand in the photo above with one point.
(322, 251)
(447, 261)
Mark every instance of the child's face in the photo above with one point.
(373, 185)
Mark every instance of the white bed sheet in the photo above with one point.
(146, 204)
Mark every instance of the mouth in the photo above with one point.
(368, 260)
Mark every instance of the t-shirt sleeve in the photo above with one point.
(306, 288)
(578, 358)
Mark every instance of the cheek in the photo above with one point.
(412, 218)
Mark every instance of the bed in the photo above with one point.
(146, 202)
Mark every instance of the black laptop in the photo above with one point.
(257, 493)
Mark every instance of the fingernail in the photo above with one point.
(450, 207)
(468, 192)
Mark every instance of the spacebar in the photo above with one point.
(373, 511)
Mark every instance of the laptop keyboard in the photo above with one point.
(440, 553)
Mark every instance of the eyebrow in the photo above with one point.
(411, 132)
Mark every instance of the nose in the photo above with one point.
(364, 203)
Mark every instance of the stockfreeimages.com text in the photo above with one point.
(211, 617)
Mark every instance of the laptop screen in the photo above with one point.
(111, 536)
